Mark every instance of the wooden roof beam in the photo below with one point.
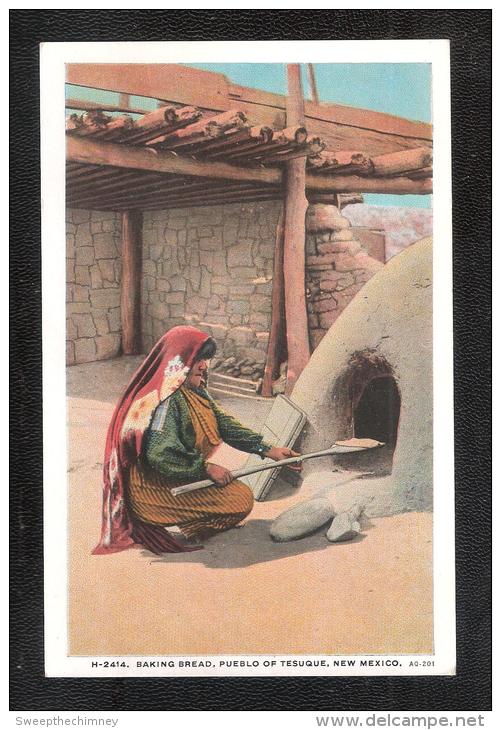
(83, 105)
(89, 152)
(398, 163)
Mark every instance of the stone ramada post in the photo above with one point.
(336, 267)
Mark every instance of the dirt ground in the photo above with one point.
(242, 594)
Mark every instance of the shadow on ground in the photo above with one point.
(249, 545)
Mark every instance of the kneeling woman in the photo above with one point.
(162, 434)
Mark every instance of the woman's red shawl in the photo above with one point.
(161, 374)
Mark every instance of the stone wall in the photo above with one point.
(337, 267)
(93, 285)
(207, 266)
(212, 267)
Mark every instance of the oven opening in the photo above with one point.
(377, 411)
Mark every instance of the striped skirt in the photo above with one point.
(197, 514)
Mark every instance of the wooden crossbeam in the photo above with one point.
(358, 184)
(89, 152)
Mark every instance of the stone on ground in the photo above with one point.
(355, 512)
(301, 520)
(343, 528)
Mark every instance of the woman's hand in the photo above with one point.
(219, 474)
(278, 453)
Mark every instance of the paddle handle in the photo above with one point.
(204, 483)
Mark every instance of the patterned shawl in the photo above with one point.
(163, 371)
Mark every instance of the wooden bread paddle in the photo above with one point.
(339, 447)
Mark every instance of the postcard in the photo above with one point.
(247, 307)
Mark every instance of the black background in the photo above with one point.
(469, 32)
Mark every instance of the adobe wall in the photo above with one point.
(391, 323)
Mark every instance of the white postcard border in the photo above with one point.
(54, 56)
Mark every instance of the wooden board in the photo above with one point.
(282, 428)
(165, 81)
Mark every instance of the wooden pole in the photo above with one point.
(132, 223)
(296, 316)
(124, 100)
(276, 341)
(313, 83)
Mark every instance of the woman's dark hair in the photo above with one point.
(207, 351)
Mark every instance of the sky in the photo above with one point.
(403, 89)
